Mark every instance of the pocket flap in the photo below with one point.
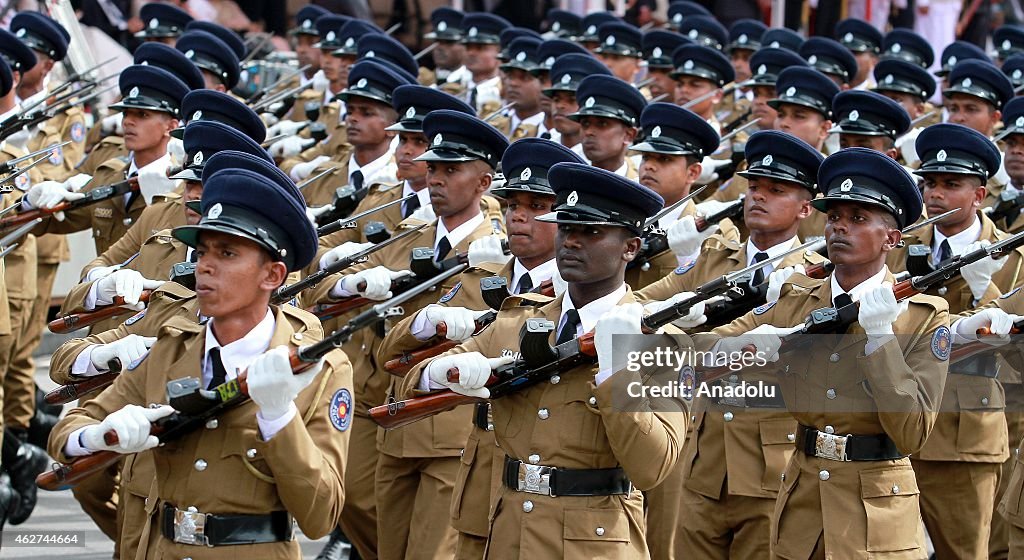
(983, 396)
(596, 525)
(892, 481)
(779, 430)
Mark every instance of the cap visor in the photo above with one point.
(444, 155)
(188, 174)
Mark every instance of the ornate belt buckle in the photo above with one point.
(190, 527)
(534, 479)
(830, 446)
(739, 401)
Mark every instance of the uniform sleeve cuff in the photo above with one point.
(74, 447)
(270, 428)
(83, 366)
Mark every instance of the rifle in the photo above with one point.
(655, 241)
(75, 321)
(350, 222)
(426, 50)
(1011, 202)
(11, 165)
(285, 78)
(93, 196)
(700, 99)
(346, 199)
(195, 406)
(540, 360)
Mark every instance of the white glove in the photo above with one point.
(559, 285)
(766, 340)
(320, 81)
(378, 282)
(269, 118)
(709, 167)
(302, 170)
(978, 274)
(343, 251)
(176, 148)
(76, 182)
(130, 350)
(487, 249)
(709, 207)
(879, 310)
(126, 283)
(695, 317)
(49, 194)
(685, 240)
(474, 370)
(287, 147)
(907, 146)
(779, 277)
(1001, 177)
(621, 319)
(460, 322)
(153, 180)
(273, 386)
(284, 127)
(19, 140)
(112, 125)
(312, 213)
(131, 424)
(100, 272)
(997, 321)
(424, 213)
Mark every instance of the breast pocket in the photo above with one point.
(1010, 506)
(579, 426)
(247, 478)
(103, 225)
(777, 445)
(595, 533)
(982, 428)
(893, 511)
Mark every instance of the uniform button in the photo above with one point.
(127, 221)
(943, 290)
(984, 400)
(363, 348)
(895, 489)
(727, 416)
(592, 401)
(834, 358)
(490, 427)
(830, 430)
(533, 459)
(297, 337)
(200, 465)
(790, 437)
(555, 379)
(599, 531)
(250, 453)
(786, 369)
(527, 506)
(212, 424)
(783, 477)
(543, 414)
(831, 393)
(693, 418)
(823, 475)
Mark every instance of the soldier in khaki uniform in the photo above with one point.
(532, 244)
(658, 45)
(423, 459)
(609, 113)
(449, 54)
(603, 453)
(863, 401)
(744, 41)
(522, 87)
(911, 86)
(620, 48)
(700, 71)
(567, 71)
(481, 36)
(718, 502)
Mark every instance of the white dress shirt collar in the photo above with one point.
(370, 170)
(239, 354)
(537, 274)
(860, 289)
(957, 242)
(591, 312)
(460, 232)
(773, 251)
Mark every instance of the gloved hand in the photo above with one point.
(709, 169)
(284, 127)
(130, 350)
(1002, 178)
(77, 181)
(176, 148)
(126, 283)
(153, 180)
(474, 369)
(695, 317)
(302, 170)
(424, 213)
(269, 118)
(459, 321)
(273, 386)
(620, 320)
(312, 213)
(879, 310)
(112, 124)
(685, 240)
(287, 147)
(997, 321)
(709, 207)
(19, 140)
(487, 249)
(131, 424)
(320, 81)
(978, 274)
(378, 282)
(778, 277)
(49, 194)
(559, 285)
(343, 251)
(907, 146)
(100, 271)
(766, 340)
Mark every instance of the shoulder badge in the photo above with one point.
(340, 410)
(761, 309)
(77, 132)
(1008, 294)
(941, 343)
(687, 381)
(22, 182)
(56, 156)
(135, 318)
(685, 267)
(451, 293)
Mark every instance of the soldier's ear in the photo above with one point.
(632, 247)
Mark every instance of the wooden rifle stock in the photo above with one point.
(29, 215)
(74, 321)
(74, 391)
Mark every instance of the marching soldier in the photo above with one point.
(1013, 160)
(549, 51)
(977, 92)
(608, 112)
(869, 120)
(904, 44)
(766, 64)
(911, 86)
(592, 22)
(1008, 40)
(305, 35)
(865, 42)
(782, 38)
(705, 31)
(164, 23)
(213, 56)
(564, 24)
(700, 73)
(849, 489)
(280, 456)
(566, 74)
(658, 47)
(481, 35)
(620, 49)
(744, 40)
(830, 58)
(449, 55)
(523, 90)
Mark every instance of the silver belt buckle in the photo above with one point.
(736, 401)
(190, 527)
(534, 479)
(830, 446)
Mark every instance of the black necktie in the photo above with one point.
(472, 98)
(545, 135)
(133, 195)
(525, 284)
(842, 300)
(568, 332)
(220, 375)
(443, 248)
(357, 180)
(758, 278)
(410, 206)
(945, 251)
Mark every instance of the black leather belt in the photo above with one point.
(756, 401)
(192, 527)
(481, 416)
(982, 365)
(846, 447)
(553, 481)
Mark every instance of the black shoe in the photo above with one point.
(335, 547)
(8, 500)
(23, 463)
(40, 426)
(41, 404)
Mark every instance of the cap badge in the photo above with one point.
(677, 18)
(688, 65)
(762, 69)
(370, 54)
(1020, 121)
(896, 48)
(589, 102)
(197, 115)
(442, 26)
(557, 26)
(215, 211)
(437, 138)
(198, 158)
(693, 34)
(549, 61)
(812, 59)
(572, 199)
(610, 40)
(774, 45)
(951, 60)
(889, 79)
(1006, 44)
(591, 30)
(306, 24)
(966, 83)
(656, 53)
(846, 185)
(521, 56)
(361, 83)
(331, 36)
(21, 32)
(854, 115)
(656, 132)
(526, 174)
(566, 78)
(190, 53)
(350, 42)
(848, 37)
(742, 38)
(154, 23)
(941, 156)
(410, 113)
(1016, 74)
(768, 159)
(791, 91)
(134, 92)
